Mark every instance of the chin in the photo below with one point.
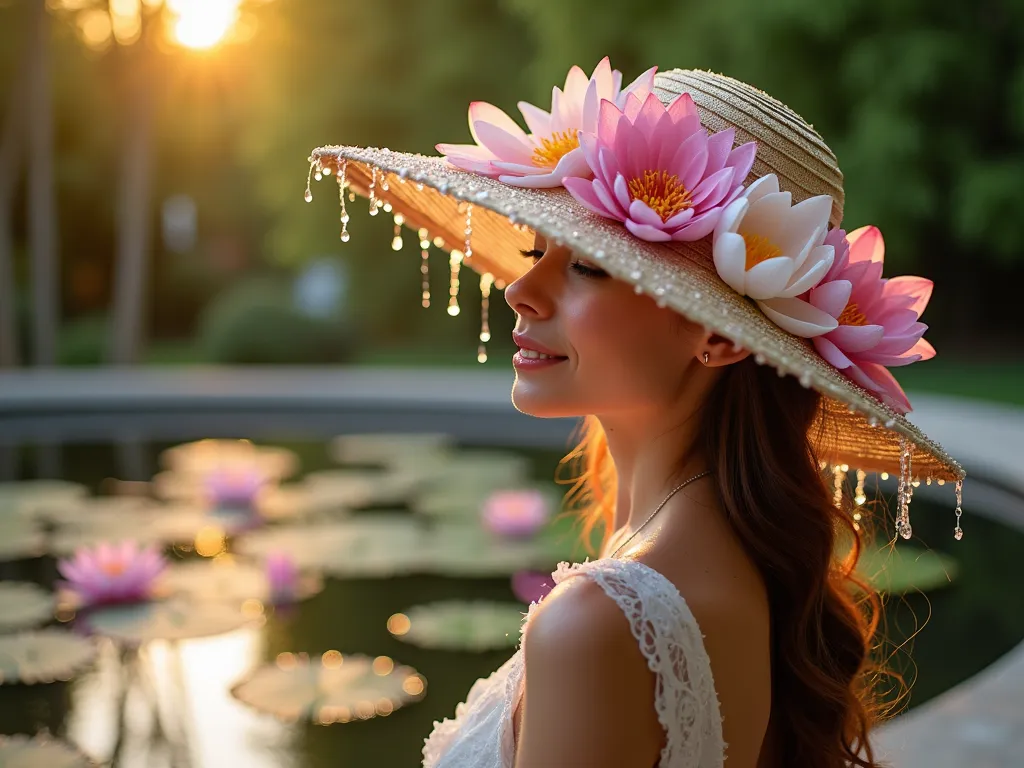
(541, 403)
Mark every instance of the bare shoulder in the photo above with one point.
(589, 693)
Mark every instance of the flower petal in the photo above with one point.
(856, 338)
(742, 159)
(584, 192)
(719, 146)
(766, 185)
(812, 271)
(647, 232)
(483, 112)
(832, 297)
(917, 288)
(537, 120)
(767, 279)
(503, 144)
(731, 217)
(866, 244)
(798, 317)
(641, 213)
(622, 192)
(730, 255)
(699, 227)
(713, 189)
(831, 353)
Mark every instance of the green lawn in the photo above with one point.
(1001, 382)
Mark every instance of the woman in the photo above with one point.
(693, 296)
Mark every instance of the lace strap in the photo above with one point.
(670, 639)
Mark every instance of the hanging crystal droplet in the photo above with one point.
(858, 495)
(318, 176)
(468, 251)
(425, 265)
(455, 262)
(958, 532)
(838, 478)
(342, 182)
(309, 180)
(486, 281)
(384, 181)
(351, 197)
(373, 191)
(396, 240)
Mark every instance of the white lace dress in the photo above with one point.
(685, 698)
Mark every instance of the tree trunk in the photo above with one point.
(42, 199)
(12, 150)
(133, 210)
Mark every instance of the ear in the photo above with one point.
(719, 351)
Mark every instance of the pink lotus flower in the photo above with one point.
(234, 486)
(531, 586)
(551, 151)
(111, 573)
(283, 578)
(878, 318)
(516, 514)
(658, 171)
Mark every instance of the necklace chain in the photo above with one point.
(657, 509)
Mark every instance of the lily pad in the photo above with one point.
(469, 550)
(332, 689)
(906, 568)
(371, 546)
(473, 470)
(80, 512)
(356, 488)
(43, 656)
(24, 604)
(390, 449)
(228, 581)
(20, 538)
(29, 496)
(176, 618)
(456, 625)
(204, 456)
(20, 751)
(302, 501)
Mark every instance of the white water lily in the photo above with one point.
(773, 251)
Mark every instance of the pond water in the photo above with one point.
(170, 703)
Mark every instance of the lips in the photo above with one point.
(526, 342)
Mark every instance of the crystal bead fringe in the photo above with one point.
(373, 191)
(486, 281)
(396, 240)
(958, 532)
(342, 182)
(309, 180)
(455, 262)
(905, 491)
(424, 237)
(838, 477)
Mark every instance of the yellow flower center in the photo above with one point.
(852, 315)
(555, 148)
(113, 569)
(664, 194)
(760, 248)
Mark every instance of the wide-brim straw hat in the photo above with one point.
(488, 222)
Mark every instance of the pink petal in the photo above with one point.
(647, 232)
(609, 166)
(890, 389)
(602, 77)
(650, 116)
(583, 191)
(742, 159)
(641, 86)
(608, 122)
(866, 244)
(641, 213)
(503, 144)
(719, 145)
(713, 189)
(537, 120)
(699, 227)
(696, 149)
(474, 166)
(548, 180)
(856, 338)
(609, 201)
(918, 288)
(482, 112)
(633, 106)
(924, 349)
(832, 297)
(682, 107)
(622, 192)
(831, 353)
(681, 218)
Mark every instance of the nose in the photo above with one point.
(533, 293)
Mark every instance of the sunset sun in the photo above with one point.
(202, 24)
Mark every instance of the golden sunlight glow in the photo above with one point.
(202, 24)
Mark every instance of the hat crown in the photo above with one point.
(787, 145)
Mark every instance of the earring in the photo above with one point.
(706, 358)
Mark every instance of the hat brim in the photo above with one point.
(432, 194)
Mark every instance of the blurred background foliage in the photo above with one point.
(922, 102)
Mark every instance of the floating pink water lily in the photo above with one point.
(658, 171)
(531, 586)
(113, 573)
(234, 486)
(282, 577)
(877, 318)
(551, 151)
(516, 514)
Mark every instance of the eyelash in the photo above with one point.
(577, 266)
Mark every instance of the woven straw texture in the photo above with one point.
(859, 430)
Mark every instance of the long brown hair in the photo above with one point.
(757, 432)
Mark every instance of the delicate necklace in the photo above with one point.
(673, 492)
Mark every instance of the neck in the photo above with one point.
(653, 452)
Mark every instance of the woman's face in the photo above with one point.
(617, 351)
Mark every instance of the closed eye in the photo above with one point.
(577, 266)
